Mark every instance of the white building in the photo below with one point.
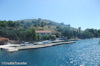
(43, 33)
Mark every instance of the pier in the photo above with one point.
(17, 47)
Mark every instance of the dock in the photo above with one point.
(17, 47)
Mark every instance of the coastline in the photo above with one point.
(17, 47)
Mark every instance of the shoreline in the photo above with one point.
(17, 47)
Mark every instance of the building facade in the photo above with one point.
(43, 33)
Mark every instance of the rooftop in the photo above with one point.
(4, 39)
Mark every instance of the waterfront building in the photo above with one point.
(3, 41)
(43, 33)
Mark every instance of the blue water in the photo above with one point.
(82, 53)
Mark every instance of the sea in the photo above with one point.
(82, 53)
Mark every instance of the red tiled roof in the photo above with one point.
(4, 39)
(43, 32)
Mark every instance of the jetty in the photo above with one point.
(17, 47)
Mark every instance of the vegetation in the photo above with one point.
(25, 30)
(48, 37)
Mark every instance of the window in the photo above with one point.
(41, 33)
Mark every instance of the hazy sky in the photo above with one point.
(77, 13)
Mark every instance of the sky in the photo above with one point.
(77, 13)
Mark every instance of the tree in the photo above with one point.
(30, 34)
(3, 24)
(48, 37)
(39, 19)
(28, 24)
(36, 24)
(42, 24)
(22, 22)
(11, 23)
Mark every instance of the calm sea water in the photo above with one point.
(82, 53)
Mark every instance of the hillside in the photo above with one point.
(49, 25)
(26, 30)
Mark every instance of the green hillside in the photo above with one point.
(26, 30)
(49, 25)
